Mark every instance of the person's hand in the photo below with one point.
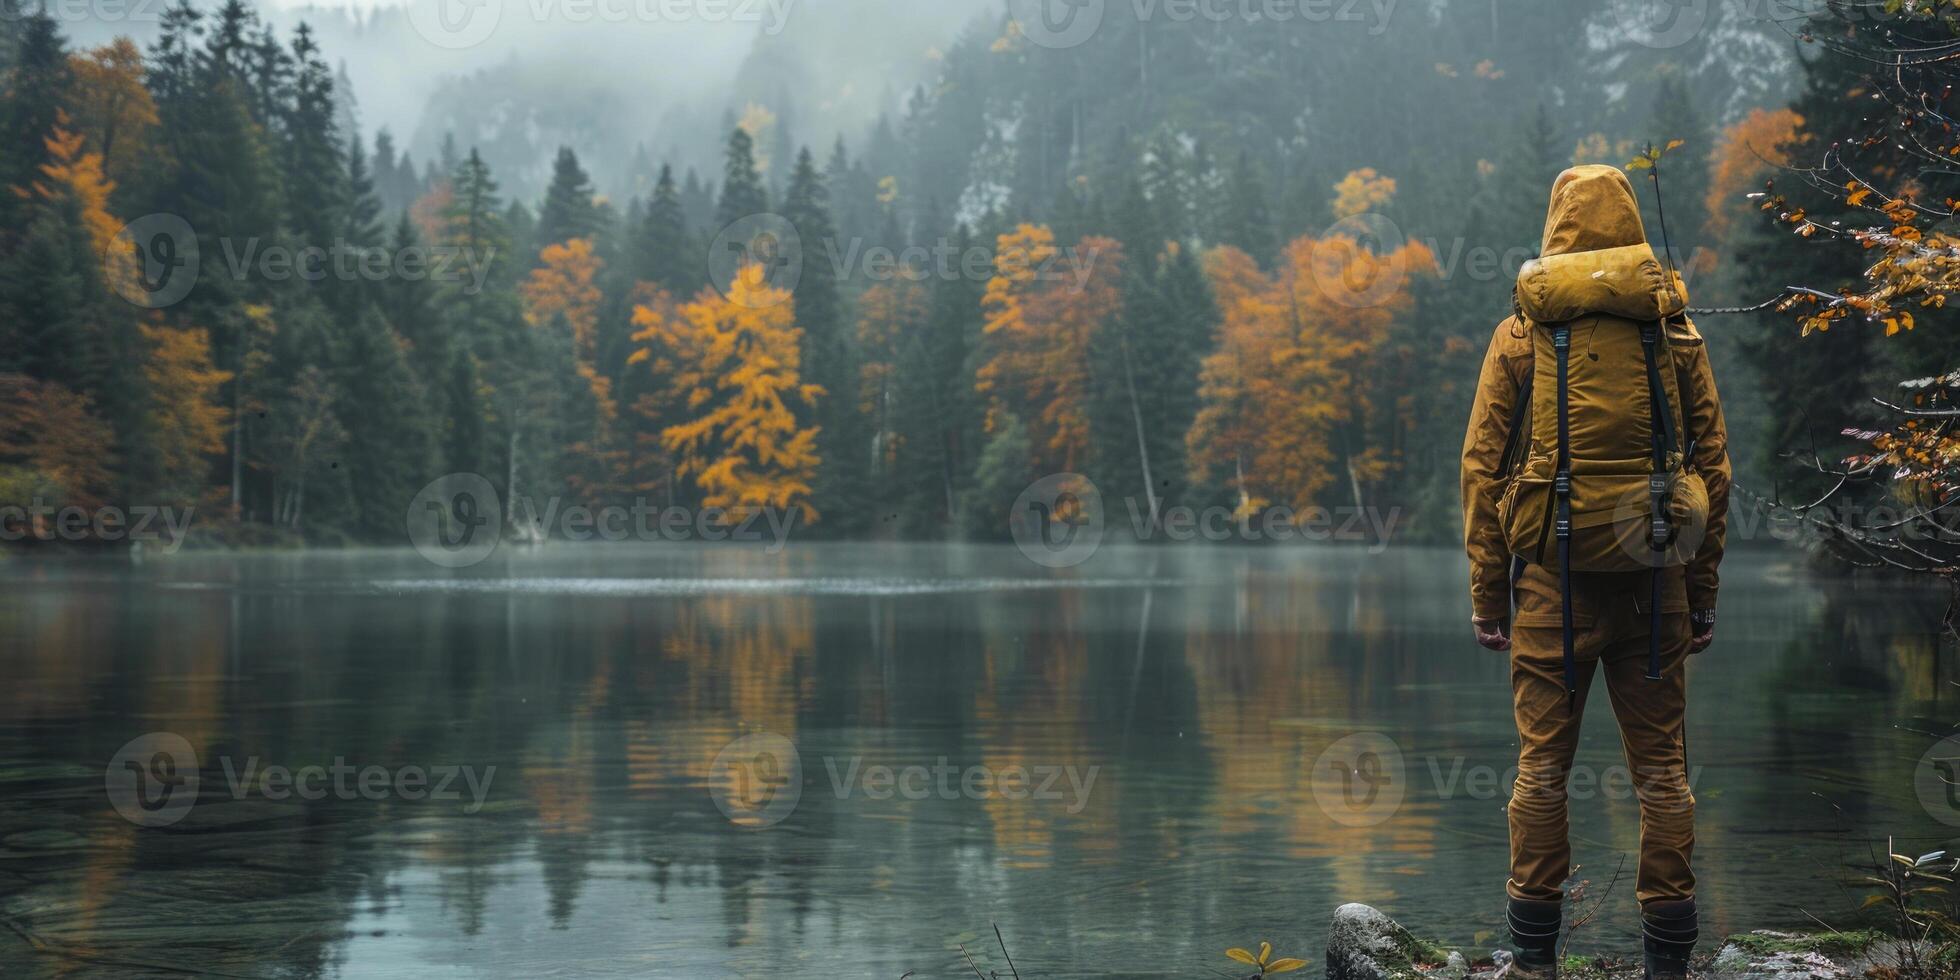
(1703, 622)
(1492, 634)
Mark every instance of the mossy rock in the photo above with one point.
(1766, 942)
(1766, 955)
(1363, 943)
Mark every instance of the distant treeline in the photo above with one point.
(1140, 260)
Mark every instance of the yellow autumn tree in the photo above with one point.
(1289, 405)
(1361, 191)
(112, 107)
(188, 421)
(1042, 308)
(760, 123)
(730, 369)
(567, 285)
(75, 174)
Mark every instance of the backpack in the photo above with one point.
(1598, 473)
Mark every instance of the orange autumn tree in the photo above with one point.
(732, 366)
(1042, 308)
(1288, 407)
(75, 175)
(1236, 379)
(188, 422)
(52, 446)
(565, 286)
(1748, 151)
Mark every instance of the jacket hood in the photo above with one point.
(1595, 258)
(1592, 207)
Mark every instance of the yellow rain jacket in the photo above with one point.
(1605, 269)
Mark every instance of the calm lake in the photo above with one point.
(1128, 765)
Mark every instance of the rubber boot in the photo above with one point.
(1534, 938)
(1670, 930)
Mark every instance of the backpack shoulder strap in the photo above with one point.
(1562, 490)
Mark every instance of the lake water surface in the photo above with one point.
(1128, 765)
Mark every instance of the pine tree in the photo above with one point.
(360, 230)
(742, 193)
(697, 200)
(34, 91)
(568, 210)
(664, 255)
(474, 221)
(828, 360)
(362, 226)
(1167, 185)
(1146, 364)
(315, 175)
(1247, 223)
(938, 423)
(387, 179)
(1523, 182)
(385, 413)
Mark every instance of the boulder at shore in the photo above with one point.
(1365, 944)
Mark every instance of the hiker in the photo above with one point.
(1594, 515)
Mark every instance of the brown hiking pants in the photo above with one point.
(1610, 627)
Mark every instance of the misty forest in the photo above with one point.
(881, 270)
(1155, 215)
